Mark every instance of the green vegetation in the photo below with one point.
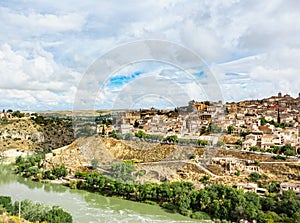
(171, 139)
(230, 129)
(155, 137)
(202, 142)
(31, 167)
(217, 202)
(123, 171)
(214, 128)
(245, 133)
(278, 157)
(94, 163)
(34, 212)
(203, 130)
(263, 121)
(205, 179)
(141, 134)
(255, 177)
(17, 114)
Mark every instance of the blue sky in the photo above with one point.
(47, 46)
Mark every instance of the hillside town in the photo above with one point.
(250, 145)
(258, 125)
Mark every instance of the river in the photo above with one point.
(84, 206)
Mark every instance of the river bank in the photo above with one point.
(85, 207)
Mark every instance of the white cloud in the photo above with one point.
(35, 24)
(261, 75)
(46, 44)
(35, 80)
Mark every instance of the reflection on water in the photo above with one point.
(85, 207)
(5, 175)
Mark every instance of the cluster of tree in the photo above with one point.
(159, 138)
(287, 150)
(104, 120)
(123, 171)
(32, 167)
(41, 120)
(214, 128)
(18, 114)
(216, 201)
(34, 212)
(263, 121)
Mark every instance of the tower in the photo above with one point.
(278, 113)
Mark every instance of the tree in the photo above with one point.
(172, 138)
(254, 148)
(263, 121)
(103, 131)
(255, 176)
(214, 128)
(205, 179)
(112, 134)
(274, 187)
(140, 134)
(290, 152)
(287, 148)
(202, 142)
(6, 203)
(94, 163)
(128, 136)
(239, 142)
(136, 124)
(58, 215)
(17, 114)
(203, 130)
(123, 171)
(277, 149)
(245, 133)
(230, 129)
(60, 171)
(220, 143)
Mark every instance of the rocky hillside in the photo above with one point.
(80, 153)
(35, 134)
(145, 152)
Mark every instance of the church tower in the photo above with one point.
(278, 113)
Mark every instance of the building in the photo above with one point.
(290, 186)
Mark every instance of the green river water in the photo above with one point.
(85, 207)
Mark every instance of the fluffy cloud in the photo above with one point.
(37, 81)
(251, 47)
(260, 75)
(36, 24)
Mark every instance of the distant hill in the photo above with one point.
(35, 133)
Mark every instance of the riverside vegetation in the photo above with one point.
(218, 202)
(33, 212)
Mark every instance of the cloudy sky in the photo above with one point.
(252, 48)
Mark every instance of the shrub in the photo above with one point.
(94, 163)
(191, 156)
(255, 176)
(60, 171)
(200, 215)
(81, 174)
(142, 172)
(205, 179)
(5, 202)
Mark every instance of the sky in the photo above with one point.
(251, 48)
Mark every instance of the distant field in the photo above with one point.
(70, 113)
